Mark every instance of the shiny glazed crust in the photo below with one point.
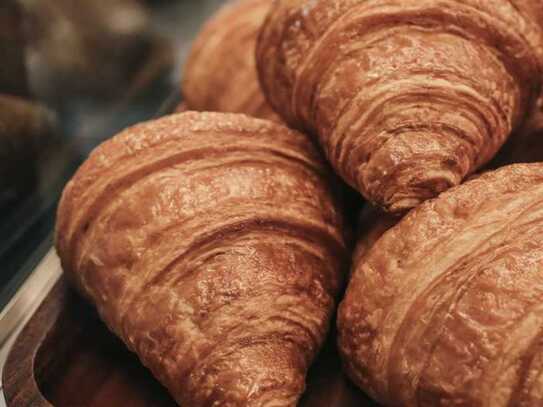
(220, 74)
(407, 97)
(445, 309)
(212, 245)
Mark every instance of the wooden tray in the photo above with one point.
(65, 357)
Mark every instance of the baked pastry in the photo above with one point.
(25, 127)
(220, 73)
(407, 97)
(87, 47)
(13, 78)
(445, 309)
(212, 245)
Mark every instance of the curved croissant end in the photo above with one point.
(212, 245)
(407, 97)
(445, 309)
(220, 74)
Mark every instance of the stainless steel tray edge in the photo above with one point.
(23, 305)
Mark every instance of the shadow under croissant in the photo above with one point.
(327, 385)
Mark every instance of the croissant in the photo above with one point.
(445, 309)
(220, 73)
(87, 47)
(407, 97)
(25, 127)
(13, 78)
(212, 245)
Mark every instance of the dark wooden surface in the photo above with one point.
(66, 357)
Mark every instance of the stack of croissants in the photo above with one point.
(215, 242)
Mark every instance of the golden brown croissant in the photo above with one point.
(212, 245)
(220, 74)
(445, 309)
(407, 97)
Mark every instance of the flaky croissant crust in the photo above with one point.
(212, 245)
(407, 97)
(445, 309)
(220, 74)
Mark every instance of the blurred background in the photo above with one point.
(73, 73)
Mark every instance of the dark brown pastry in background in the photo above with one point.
(212, 245)
(445, 309)
(407, 97)
(86, 47)
(25, 128)
(220, 73)
(13, 76)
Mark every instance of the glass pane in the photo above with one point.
(72, 75)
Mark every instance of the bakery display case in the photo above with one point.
(52, 112)
(304, 203)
